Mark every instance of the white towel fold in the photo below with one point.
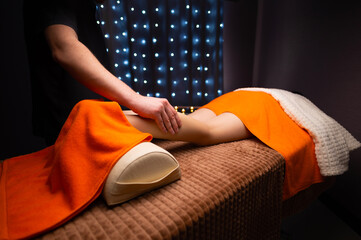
(332, 141)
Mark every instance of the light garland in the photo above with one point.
(154, 48)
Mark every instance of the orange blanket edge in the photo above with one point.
(265, 119)
(3, 212)
(52, 174)
(95, 194)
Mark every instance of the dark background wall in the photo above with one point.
(15, 94)
(310, 46)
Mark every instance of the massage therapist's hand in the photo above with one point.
(160, 110)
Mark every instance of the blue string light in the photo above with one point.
(171, 50)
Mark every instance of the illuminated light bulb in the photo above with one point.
(156, 24)
(144, 69)
(174, 82)
(132, 9)
(143, 55)
(207, 55)
(126, 62)
(156, 55)
(116, 65)
(183, 111)
(145, 81)
(205, 69)
(187, 91)
(171, 68)
(124, 34)
(187, 7)
(185, 79)
(135, 25)
(156, 9)
(171, 26)
(134, 67)
(144, 26)
(132, 39)
(159, 81)
(199, 94)
(127, 75)
(117, 51)
(135, 79)
(172, 11)
(144, 12)
(135, 54)
(157, 94)
(173, 94)
(172, 54)
(206, 94)
(106, 35)
(154, 40)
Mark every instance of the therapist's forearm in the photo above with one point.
(85, 67)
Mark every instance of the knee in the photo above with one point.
(205, 138)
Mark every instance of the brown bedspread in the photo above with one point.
(227, 191)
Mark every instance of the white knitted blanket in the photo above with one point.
(332, 141)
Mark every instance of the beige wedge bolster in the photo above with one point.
(142, 169)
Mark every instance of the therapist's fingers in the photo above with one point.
(174, 118)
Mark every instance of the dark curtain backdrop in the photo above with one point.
(309, 46)
(166, 48)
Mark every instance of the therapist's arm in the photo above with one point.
(77, 59)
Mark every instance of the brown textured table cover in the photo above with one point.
(227, 191)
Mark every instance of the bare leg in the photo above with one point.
(203, 114)
(223, 128)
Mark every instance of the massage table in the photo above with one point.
(227, 191)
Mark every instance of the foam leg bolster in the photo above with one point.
(143, 168)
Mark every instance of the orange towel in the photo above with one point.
(265, 119)
(42, 190)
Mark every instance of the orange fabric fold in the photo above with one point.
(266, 120)
(42, 190)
